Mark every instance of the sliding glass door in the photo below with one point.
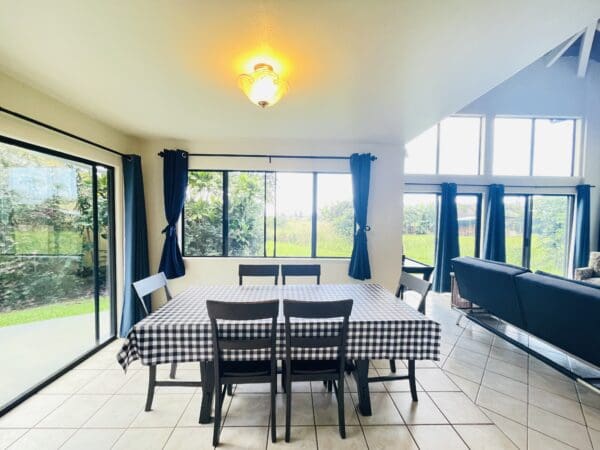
(57, 297)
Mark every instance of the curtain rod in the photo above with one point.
(60, 131)
(270, 157)
(506, 185)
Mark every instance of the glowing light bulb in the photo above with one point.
(263, 86)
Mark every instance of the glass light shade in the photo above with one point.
(263, 86)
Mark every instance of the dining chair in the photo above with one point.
(410, 282)
(258, 270)
(306, 368)
(229, 372)
(300, 270)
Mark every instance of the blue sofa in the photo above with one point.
(562, 312)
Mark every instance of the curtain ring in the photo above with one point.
(367, 228)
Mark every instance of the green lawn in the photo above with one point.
(52, 311)
(43, 242)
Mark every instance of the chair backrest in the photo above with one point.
(258, 270)
(410, 282)
(242, 311)
(301, 270)
(149, 285)
(317, 310)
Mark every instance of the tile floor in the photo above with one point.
(483, 393)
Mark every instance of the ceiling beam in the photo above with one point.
(586, 49)
(555, 54)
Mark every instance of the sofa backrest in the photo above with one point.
(490, 285)
(563, 313)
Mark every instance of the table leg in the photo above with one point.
(208, 386)
(151, 386)
(412, 380)
(361, 375)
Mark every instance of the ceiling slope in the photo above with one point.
(374, 72)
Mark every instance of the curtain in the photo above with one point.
(360, 167)
(494, 247)
(136, 242)
(581, 250)
(175, 179)
(447, 239)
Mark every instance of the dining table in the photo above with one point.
(381, 326)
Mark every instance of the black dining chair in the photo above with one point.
(258, 270)
(328, 370)
(300, 270)
(227, 372)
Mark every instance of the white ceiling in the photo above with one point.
(362, 71)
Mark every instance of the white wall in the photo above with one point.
(384, 239)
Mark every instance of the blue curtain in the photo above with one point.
(447, 239)
(581, 251)
(360, 167)
(136, 242)
(175, 180)
(494, 246)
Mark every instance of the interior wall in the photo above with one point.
(23, 99)
(384, 216)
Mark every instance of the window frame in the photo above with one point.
(225, 219)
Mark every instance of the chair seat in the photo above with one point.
(314, 367)
(245, 368)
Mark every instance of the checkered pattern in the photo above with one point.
(381, 326)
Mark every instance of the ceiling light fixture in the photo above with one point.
(263, 87)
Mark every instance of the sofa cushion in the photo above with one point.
(563, 312)
(595, 263)
(585, 282)
(593, 281)
(490, 285)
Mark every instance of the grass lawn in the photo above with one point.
(52, 311)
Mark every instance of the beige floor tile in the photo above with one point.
(592, 417)
(424, 364)
(400, 385)
(516, 359)
(71, 382)
(553, 384)
(502, 404)
(194, 438)
(467, 371)
(559, 428)
(326, 409)
(29, 413)
(244, 438)
(516, 432)
(505, 385)
(47, 439)
(435, 437)
(249, 410)
(595, 435)
(74, 412)
(93, 439)
(118, 412)
(8, 436)
(556, 404)
(108, 382)
(588, 397)
(383, 410)
(385, 364)
(505, 345)
(435, 380)
(166, 411)
(329, 438)
(484, 437)
(478, 334)
(458, 408)
(301, 438)
(373, 387)
(507, 369)
(469, 357)
(389, 437)
(136, 384)
(423, 412)
(102, 360)
(190, 416)
(302, 409)
(143, 439)
(475, 346)
(539, 441)
(470, 388)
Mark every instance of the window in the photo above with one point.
(537, 231)
(56, 261)
(451, 147)
(468, 208)
(268, 214)
(532, 146)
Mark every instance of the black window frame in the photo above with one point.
(225, 221)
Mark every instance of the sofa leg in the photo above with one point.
(458, 320)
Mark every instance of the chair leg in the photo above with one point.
(151, 385)
(173, 371)
(230, 390)
(273, 409)
(217, 425)
(329, 386)
(340, 400)
(288, 409)
(412, 380)
(393, 365)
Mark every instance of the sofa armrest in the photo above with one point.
(583, 273)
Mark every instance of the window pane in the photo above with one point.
(460, 139)
(466, 206)
(293, 204)
(514, 210)
(104, 249)
(549, 233)
(270, 214)
(335, 215)
(420, 220)
(246, 213)
(512, 146)
(203, 218)
(420, 153)
(553, 147)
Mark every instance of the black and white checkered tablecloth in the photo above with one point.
(381, 325)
